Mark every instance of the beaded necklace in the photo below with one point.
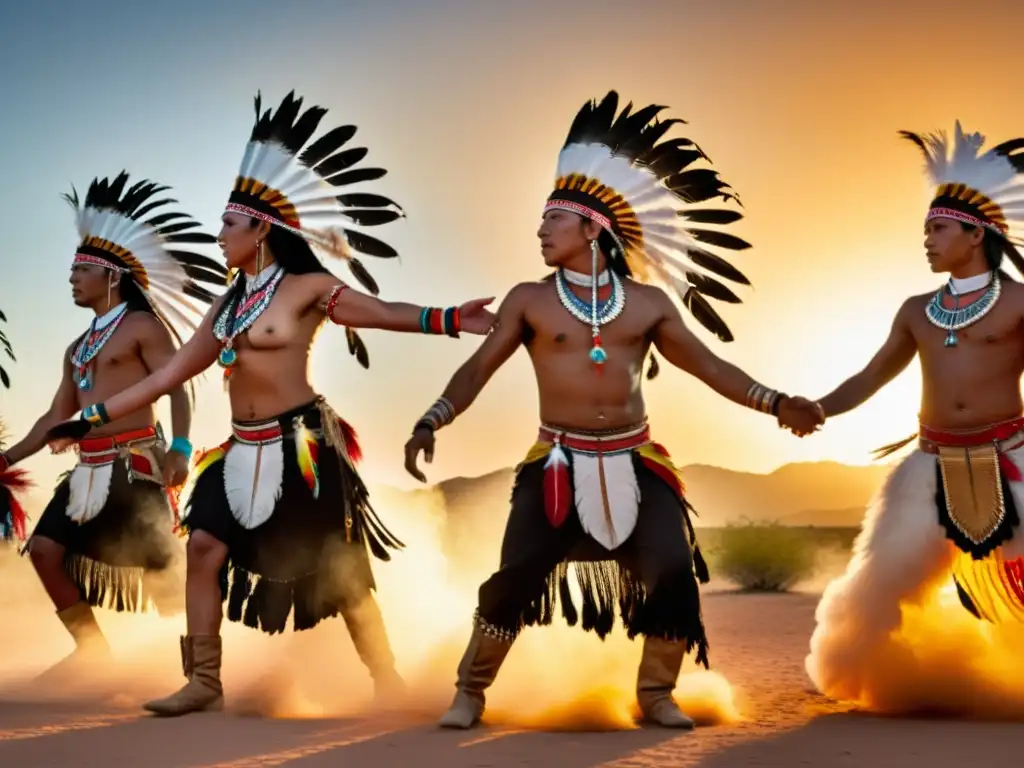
(100, 331)
(240, 316)
(952, 320)
(594, 313)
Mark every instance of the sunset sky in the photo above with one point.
(466, 103)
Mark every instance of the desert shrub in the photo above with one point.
(764, 557)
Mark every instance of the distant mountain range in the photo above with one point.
(813, 493)
(823, 494)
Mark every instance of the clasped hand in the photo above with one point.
(801, 416)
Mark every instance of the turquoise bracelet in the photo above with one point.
(183, 446)
(96, 415)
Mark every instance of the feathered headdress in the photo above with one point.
(9, 351)
(980, 188)
(612, 169)
(288, 184)
(123, 230)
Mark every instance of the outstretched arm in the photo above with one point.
(680, 347)
(892, 359)
(64, 405)
(470, 379)
(354, 309)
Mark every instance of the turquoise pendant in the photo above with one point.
(227, 357)
(950, 340)
(598, 355)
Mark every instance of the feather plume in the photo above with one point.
(650, 187)
(557, 486)
(607, 496)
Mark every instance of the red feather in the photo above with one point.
(557, 490)
(355, 453)
(11, 481)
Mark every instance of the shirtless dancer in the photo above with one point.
(954, 502)
(279, 521)
(595, 488)
(107, 537)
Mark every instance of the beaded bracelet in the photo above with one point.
(763, 399)
(439, 321)
(96, 415)
(183, 446)
(332, 302)
(441, 413)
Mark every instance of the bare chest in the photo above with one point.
(997, 334)
(279, 325)
(553, 327)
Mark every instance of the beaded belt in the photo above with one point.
(102, 450)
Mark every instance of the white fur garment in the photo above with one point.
(901, 549)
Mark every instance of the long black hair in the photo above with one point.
(994, 246)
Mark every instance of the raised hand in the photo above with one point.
(801, 416)
(475, 318)
(422, 440)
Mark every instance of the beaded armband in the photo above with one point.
(441, 321)
(332, 301)
(96, 415)
(764, 400)
(441, 414)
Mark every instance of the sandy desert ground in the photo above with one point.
(759, 646)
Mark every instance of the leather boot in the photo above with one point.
(90, 644)
(477, 670)
(656, 679)
(370, 638)
(200, 661)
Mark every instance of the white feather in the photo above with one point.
(89, 486)
(253, 495)
(623, 496)
(960, 163)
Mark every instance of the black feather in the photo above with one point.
(327, 145)
(698, 185)
(339, 162)
(910, 136)
(192, 237)
(367, 200)
(706, 315)
(711, 216)
(711, 287)
(195, 260)
(372, 217)
(371, 246)
(4, 378)
(653, 369)
(1008, 147)
(180, 226)
(720, 239)
(363, 276)
(356, 176)
(717, 264)
(3, 316)
(357, 347)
